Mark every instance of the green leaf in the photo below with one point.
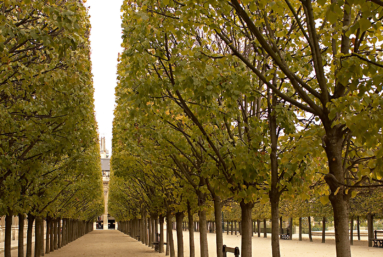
(364, 24)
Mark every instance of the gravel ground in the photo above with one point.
(289, 248)
(105, 243)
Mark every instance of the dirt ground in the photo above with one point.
(289, 248)
(105, 243)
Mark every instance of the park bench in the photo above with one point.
(226, 250)
(377, 242)
(285, 236)
(157, 244)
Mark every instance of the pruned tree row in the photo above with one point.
(254, 102)
(49, 153)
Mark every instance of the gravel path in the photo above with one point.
(112, 243)
(289, 248)
(104, 243)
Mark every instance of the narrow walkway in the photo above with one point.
(104, 243)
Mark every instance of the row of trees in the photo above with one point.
(250, 101)
(49, 152)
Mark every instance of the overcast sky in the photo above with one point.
(106, 44)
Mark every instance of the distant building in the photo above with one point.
(104, 152)
(105, 221)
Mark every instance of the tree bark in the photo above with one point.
(370, 227)
(167, 239)
(191, 232)
(31, 219)
(8, 234)
(55, 231)
(259, 228)
(42, 238)
(300, 228)
(150, 232)
(161, 245)
(203, 234)
(20, 247)
(156, 229)
(50, 234)
(274, 200)
(180, 239)
(170, 242)
(281, 226)
(48, 238)
(352, 230)
(218, 222)
(235, 227)
(37, 236)
(358, 227)
(333, 145)
(231, 225)
(291, 228)
(59, 240)
(264, 229)
(324, 230)
(246, 229)
(310, 235)
(227, 227)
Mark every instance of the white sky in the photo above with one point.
(106, 44)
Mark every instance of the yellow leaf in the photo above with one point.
(324, 200)
(337, 191)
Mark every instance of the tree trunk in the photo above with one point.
(150, 232)
(291, 228)
(218, 222)
(333, 145)
(235, 227)
(59, 240)
(340, 208)
(203, 234)
(156, 229)
(169, 229)
(167, 238)
(50, 234)
(37, 236)
(20, 250)
(191, 232)
(259, 228)
(48, 238)
(324, 230)
(300, 228)
(352, 230)
(31, 219)
(227, 227)
(55, 231)
(370, 227)
(8, 234)
(42, 238)
(274, 200)
(161, 245)
(358, 227)
(310, 235)
(281, 226)
(180, 239)
(232, 227)
(246, 229)
(264, 229)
